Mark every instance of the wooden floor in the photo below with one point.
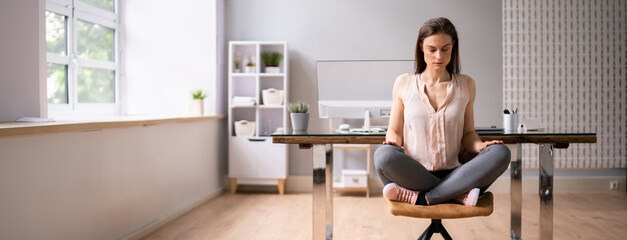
(271, 216)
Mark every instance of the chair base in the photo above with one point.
(435, 227)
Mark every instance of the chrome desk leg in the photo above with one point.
(322, 195)
(546, 191)
(515, 190)
(329, 189)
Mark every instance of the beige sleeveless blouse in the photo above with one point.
(432, 137)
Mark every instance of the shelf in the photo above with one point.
(271, 74)
(260, 106)
(272, 106)
(253, 106)
(256, 158)
(244, 74)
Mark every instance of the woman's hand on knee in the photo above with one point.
(485, 144)
(393, 143)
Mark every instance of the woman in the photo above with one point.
(432, 119)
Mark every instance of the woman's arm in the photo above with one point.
(394, 134)
(470, 139)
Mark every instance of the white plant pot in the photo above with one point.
(273, 70)
(300, 121)
(196, 107)
(250, 69)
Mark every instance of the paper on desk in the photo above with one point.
(34, 119)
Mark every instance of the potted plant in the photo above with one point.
(272, 61)
(236, 62)
(300, 117)
(196, 107)
(250, 66)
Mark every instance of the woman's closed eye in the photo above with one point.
(433, 50)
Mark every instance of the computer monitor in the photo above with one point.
(358, 89)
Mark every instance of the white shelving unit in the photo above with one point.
(254, 159)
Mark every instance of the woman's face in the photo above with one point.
(437, 49)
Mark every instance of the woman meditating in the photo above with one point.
(431, 120)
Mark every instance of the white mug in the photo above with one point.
(510, 122)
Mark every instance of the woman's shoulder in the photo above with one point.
(401, 84)
(404, 76)
(465, 79)
(462, 76)
(466, 82)
(403, 79)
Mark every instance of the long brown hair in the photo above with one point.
(431, 27)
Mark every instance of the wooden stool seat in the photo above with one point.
(443, 211)
(438, 212)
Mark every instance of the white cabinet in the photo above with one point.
(255, 159)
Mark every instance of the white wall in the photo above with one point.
(370, 30)
(106, 184)
(22, 59)
(169, 49)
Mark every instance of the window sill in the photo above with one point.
(9, 129)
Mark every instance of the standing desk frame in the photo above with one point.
(322, 144)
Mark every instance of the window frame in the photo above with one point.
(75, 10)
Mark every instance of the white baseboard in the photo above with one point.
(168, 217)
(562, 184)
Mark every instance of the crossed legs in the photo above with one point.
(394, 166)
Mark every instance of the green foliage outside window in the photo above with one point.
(96, 86)
(94, 41)
(55, 33)
(57, 83)
(103, 4)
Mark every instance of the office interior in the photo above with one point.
(132, 169)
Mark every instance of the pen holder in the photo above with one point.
(510, 122)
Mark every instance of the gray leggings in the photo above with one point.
(394, 166)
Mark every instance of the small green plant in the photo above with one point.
(271, 59)
(250, 64)
(237, 60)
(199, 95)
(298, 107)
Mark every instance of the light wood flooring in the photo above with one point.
(271, 216)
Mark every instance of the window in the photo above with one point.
(82, 56)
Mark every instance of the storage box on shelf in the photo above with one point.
(256, 99)
(353, 179)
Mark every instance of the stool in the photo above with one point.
(442, 211)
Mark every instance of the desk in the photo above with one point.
(322, 144)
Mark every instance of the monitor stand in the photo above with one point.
(366, 128)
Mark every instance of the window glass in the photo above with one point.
(96, 86)
(56, 26)
(57, 83)
(103, 4)
(94, 41)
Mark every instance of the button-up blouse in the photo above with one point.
(433, 136)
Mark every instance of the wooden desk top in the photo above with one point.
(559, 139)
